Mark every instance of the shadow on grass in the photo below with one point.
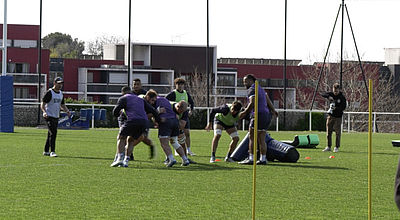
(297, 165)
(87, 158)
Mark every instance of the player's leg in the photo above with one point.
(187, 141)
(329, 130)
(217, 135)
(232, 146)
(338, 131)
(149, 143)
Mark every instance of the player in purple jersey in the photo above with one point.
(136, 110)
(168, 129)
(265, 109)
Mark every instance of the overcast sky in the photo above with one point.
(248, 29)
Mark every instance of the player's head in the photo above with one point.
(125, 90)
(179, 84)
(336, 89)
(58, 83)
(151, 96)
(249, 80)
(137, 84)
(181, 107)
(236, 107)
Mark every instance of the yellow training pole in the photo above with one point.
(255, 146)
(370, 151)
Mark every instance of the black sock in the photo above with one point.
(213, 154)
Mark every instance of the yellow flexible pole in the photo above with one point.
(255, 131)
(370, 151)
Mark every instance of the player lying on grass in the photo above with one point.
(168, 128)
(136, 110)
(224, 117)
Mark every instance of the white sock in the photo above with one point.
(126, 158)
(188, 149)
(250, 156)
(263, 157)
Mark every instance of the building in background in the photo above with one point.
(22, 60)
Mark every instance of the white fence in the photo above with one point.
(349, 119)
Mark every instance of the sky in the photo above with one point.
(239, 29)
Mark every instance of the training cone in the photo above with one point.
(307, 158)
(216, 160)
(331, 157)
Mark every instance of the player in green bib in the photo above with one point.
(224, 117)
(177, 95)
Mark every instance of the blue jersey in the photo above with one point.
(135, 108)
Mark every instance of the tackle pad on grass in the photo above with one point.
(276, 150)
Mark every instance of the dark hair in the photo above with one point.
(237, 105)
(179, 81)
(251, 76)
(137, 80)
(151, 93)
(125, 90)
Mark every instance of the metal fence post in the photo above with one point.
(92, 115)
(374, 125)
(310, 121)
(277, 123)
(348, 122)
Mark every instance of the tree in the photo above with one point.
(95, 47)
(63, 46)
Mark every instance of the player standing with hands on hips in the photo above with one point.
(51, 104)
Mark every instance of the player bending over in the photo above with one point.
(168, 128)
(136, 110)
(225, 117)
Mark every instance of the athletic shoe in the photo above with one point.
(185, 163)
(228, 159)
(212, 159)
(246, 161)
(152, 152)
(116, 163)
(189, 152)
(52, 154)
(192, 161)
(260, 162)
(46, 153)
(166, 161)
(131, 157)
(171, 163)
(125, 163)
(336, 149)
(326, 149)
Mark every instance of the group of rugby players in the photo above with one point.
(171, 116)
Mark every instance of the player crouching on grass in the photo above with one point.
(136, 110)
(226, 117)
(168, 128)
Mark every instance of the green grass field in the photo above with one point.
(79, 184)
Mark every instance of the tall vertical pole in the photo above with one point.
(39, 69)
(129, 44)
(370, 151)
(207, 58)
(341, 47)
(284, 71)
(4, 58)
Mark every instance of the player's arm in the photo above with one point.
(121, 104)
(191, 102)
(150, 110)
(248, 108)
(46, 99)
(64, 107)
(271, 106)
(171, 96)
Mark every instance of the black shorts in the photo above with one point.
(169, 128)
(264, 119)
(134, 129)
(226, 127)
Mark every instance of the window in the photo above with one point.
(226, 80)
(18, 67)
(21, 93)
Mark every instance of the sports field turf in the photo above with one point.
(79, 184)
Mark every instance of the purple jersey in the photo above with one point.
(162, 102)
(135, 108)
(262, 99)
